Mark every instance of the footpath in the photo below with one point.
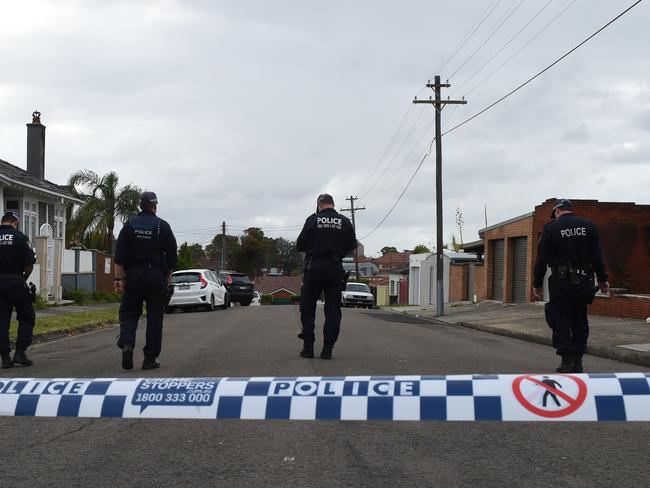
(621, 339)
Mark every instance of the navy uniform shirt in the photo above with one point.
(146, 239)
(15, 251)
(327, 233)
(569, 239)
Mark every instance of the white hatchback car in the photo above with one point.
(197, 288)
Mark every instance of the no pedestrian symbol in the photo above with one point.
(550, 396)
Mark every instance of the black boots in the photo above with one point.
(307, 350)
(21, 358)
(577, 364)
(7, 362)
(150, 363)
(566, 366)
(127, 356)
(326, 353)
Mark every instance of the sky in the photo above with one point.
(244, 112)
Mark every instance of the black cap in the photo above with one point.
(10, 215)
(562, 204)
(325, 198)
(148, 197)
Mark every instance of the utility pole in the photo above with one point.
(223, 245)
(438, 105)
(353, 209)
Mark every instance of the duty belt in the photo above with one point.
(144, 264)
(19, 276)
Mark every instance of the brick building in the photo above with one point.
(511, 249)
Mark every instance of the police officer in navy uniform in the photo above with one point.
(16, 263)
(570, 246)
(326, 238)
(144, 260)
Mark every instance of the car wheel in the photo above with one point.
(212, 306)
(245, 304)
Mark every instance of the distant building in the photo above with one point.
(41, 206)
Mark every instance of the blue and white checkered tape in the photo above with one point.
(577, 397)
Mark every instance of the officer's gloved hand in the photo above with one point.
(604, 287)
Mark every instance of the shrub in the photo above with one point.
(78, 296)
(295, 299)
(104, 296)
(266, 300)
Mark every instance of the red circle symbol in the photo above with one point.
(573, 404)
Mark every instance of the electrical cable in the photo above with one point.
(486, 39)
(552, 21)
(426, 155)
(500, 49)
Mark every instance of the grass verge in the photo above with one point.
(70, 323)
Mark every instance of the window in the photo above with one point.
(59, 222)
(30, 219)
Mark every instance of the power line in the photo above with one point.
(552, 21)
(544, 70)
(502, 48)
(468, 36)
(392, 160)
(489, 36)
(492, 105)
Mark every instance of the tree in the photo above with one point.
(213, 251)
(286, 256)
(459, 223)
(253, 251)
(421, 249)
(189, 256)
(387, 249)
(103, 203)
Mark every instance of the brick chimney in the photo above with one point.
(36, 147)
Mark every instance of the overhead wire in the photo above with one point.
(551, 22)
(484, 16)
(489, 36)
(482, 67)
(428, 153)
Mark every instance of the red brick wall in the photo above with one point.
(458, 274)
(621, 306)
(479, 282)
(624, 228)
(519, 228)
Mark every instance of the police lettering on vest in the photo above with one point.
(329, 223)
(576, 231)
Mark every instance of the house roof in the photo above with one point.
(270, 284)
(17, 176)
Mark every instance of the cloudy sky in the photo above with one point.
(246, 111)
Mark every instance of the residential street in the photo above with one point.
(261, 341)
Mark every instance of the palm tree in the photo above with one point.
(104, 203)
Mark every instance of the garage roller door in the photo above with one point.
(519, 265)
(497, 270)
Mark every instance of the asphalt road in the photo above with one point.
(261, 341)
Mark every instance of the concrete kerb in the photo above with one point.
(606, 351)
(60, 334)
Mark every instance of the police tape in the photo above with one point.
(527, 397)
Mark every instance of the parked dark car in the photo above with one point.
(239, 286)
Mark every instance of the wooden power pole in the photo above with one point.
(438, 105)
(353, 209)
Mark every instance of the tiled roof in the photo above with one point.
(14, 174)
(269, 284)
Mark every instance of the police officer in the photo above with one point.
(16, 263)
(326, 238)
(144, 260)
(571, 247)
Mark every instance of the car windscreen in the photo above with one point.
(241, 280)
(361, 288)
(186, 278)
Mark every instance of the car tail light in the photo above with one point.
(203, 282)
